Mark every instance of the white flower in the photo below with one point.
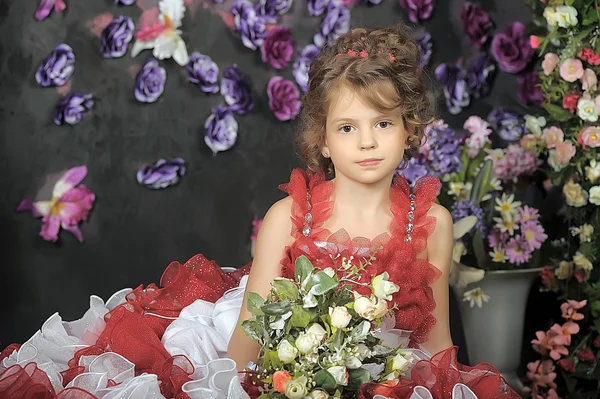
(553, 162)
(400, 363)
(340, 374)
(306, 342)
(318, 331)
(586, 110)
(353, 363)
(329, 271)
(362, 351)
(550, 15)
(495, 184)
(296, 389)
(575, 195)
(534, 125)
(586, 233)
(476, 296)
(340, 317)
(595, 195)
(507, 223)
(582, 262)
(364, 307)
(592, 172)
(318, 395)
(286, 351)
(507, 205)
(498, 255)
(381, 308)
(566, 16)
(382, 288)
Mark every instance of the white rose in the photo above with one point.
(364, 307)
(586, 110)
(340, 374)
(586, 232)
(534, 125)
(318, 331)
(296, 389)
(286, 351)
(318, 395)
(574, 194)
(592, 172)
(340, 317)
(553, 162)
(362, 351)
(566, 16)
(400, 363)
(329, 271)
(382, 288)
(380, 309)
(353, 363)
(582, 262)
(595, 195)
(550, 15)
(306, 343)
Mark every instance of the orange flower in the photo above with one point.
(279, 379)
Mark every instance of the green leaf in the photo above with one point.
(271, 360)
(303, 268)
(558, 113)
(479, 249)
(481, 185)
(381, 350)
(569, 2)
(321, 283)
(277, 308)
(253, 329)
(255, 301)
(300, 317)
(360, 331)
(324, 380)
(285, 288)
(357, 377)
(595, 309)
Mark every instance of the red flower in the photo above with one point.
(567, 365)
(570, 102)
(588, 55)
(597, 342)
(586, 355)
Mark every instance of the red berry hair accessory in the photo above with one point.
(364, 54)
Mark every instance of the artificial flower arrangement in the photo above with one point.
(482, 182)
(565, 34)
(319, 337)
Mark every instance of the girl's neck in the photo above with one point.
(362, 199)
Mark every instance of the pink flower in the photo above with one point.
(589, 137)
(549, 63)
(548, 279)
(589, 80)
(571, 70)
(528, 214)
(256, 223)
(542, 373)
(534, 41)
(542, 344)
(567, 365)
(570, 101)
(69, 206)
(597, 342)
(552, 136)
(46, 7)
(564, 152)
(518, 251)
(561, 335)
(586, 355)
(534, 234)
(569, 309)
(480, 131)
(588, 55)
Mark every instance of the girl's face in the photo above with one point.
(364, 145)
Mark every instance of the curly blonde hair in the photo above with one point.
(390, 55)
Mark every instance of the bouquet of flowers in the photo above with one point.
(319, 338)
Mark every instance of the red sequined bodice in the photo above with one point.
(395, 252)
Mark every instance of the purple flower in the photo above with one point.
(278, 47)
(162, 173)
(57, 67)
(268, 10)
(335, 24)
(150, 81)
(317, 7)
(425, 49)
(480, 76)
(444, 148)
(46, 7)
(414, 169)
(116, 36)
(237, 91)
(284, 98)
(72, 108)
(418, 10)
(456, 92)
(511, 49)
(509, 125)
(302, 65)
(221, 129)
(477, 24)
(125, 2)
(203, 72)
(250, 26)
(464, 208)
(529, 91)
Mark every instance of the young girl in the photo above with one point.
(364, 113)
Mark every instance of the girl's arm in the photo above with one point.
(273, 237)
(439, 254)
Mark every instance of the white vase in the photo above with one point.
(494, 333)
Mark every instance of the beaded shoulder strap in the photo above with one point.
(411, 217)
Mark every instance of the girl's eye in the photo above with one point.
(385, 124)
(346, 129)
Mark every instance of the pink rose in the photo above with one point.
(549, 63)
(588, 80)
(570, 102)
(552, 136)
(571, 70)
(564, 152)
(590, 137)
(529, 142)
